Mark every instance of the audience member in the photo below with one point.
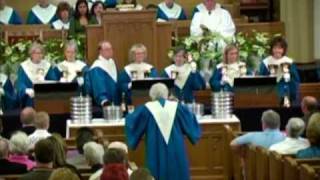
(309, 105)
(271, 133)
(43, 151)
(7, 167)
(63, 15)
(8, 15)
(293, 143)
(42, 13)
(19, 146)
(115, 165)
(169, 10)
(93, 153)
(42, 122)
(63, 174)
(141, 174)
(27, 118)
(313, 135)
(97, 10)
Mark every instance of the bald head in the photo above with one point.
(27, 116)
(309, 105)
(105, 49)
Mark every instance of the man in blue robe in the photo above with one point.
(7, 93)
(103, 77)
(42, 13)
(8, 15)
(169, 10)
(164, 124)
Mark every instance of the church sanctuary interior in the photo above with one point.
(160, 89)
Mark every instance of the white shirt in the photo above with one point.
(218, 20)
(290, 145)
(37, 135)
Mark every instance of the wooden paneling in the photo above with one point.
(164, 42)
(310, 89)
(94, 36)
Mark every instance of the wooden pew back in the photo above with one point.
(262, 163)
(290, 167)
(275, 166)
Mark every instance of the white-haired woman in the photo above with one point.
(93, 152)
(138, 69)
(33, 70)
(165, 122)
(19, 144)
(293, 142)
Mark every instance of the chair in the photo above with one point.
(275, 166)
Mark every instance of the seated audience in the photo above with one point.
(97, 10)
(33, 70)
(103, 77)
(141, 174)
(309, 105)
(293, 142)
(63, 15)
(225, 72)
(63, 174)
(107, 3)
(93, 152)
(283, 68)
(212, 18)
(43, 151)
(42, 13)
(27, 118)
(169, 10)
(81, 19)
(84, 135)
(7, 167)
(8, 15)
(9, 98)
(136, 5)
(138, 69)
(19, 146)
(42, 123)
(271, 133)
(187, 78)
(313, 135)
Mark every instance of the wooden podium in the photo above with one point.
(123, 29)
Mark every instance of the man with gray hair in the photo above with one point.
(164, 124)
(309, 105)
(93, 152)
(293, 143)
(270, 135)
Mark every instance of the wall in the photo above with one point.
(316, 21)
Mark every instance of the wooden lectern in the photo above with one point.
(54, 97)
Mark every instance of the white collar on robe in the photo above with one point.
(183, 74)
(107, 65)
(44, 14)
(277, 62)
(36, 72)
(3, 78)
(232, 71)
(202, 8)
(6, 14)
(71, 67)
(140, 68)
(171, 13)
(164, 116)
(58, 24)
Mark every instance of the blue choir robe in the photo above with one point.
(107, 3)
(29, 74)
(9, 97)
(39, 15)
(9, 16)
(125, 77)
(186, 82)
(103, 85)
(231, 71)
(164, 124)
(290, 88)
(164, 13)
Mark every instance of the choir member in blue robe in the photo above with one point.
(187, 78)
(225, 72)
(282, 67)
(72, 70)
(63, 15)
(42, 13)
(103, 77)
(137, 70)
(169, 10)
(107, 3)
(164, 124)
(8, 93)
(8, 15)
(31, 71)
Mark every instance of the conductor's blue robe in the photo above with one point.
(9, 16)
(193, 83)
(165, 13)
(166, 161)
(24, 81)
(290, 88)
(9, 98)
(125, 80)
(38, 15)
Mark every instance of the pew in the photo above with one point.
(250, 162)
(275, 166)
(262, 163)
(290, 168)
(308, 173)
